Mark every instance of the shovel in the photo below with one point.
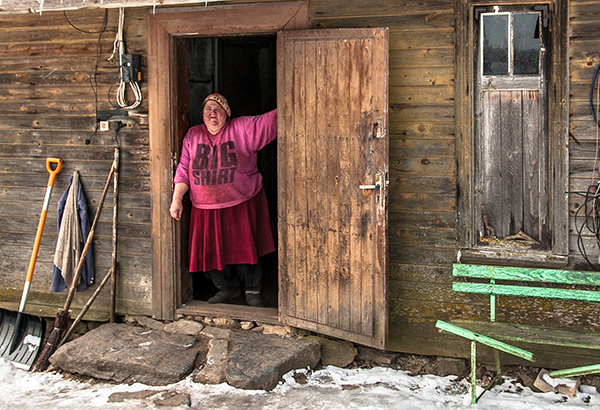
(21, 334)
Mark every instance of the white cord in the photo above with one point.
(119, 47)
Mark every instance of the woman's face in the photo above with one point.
(214, 116)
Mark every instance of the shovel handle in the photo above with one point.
(53, 172)
(40, 229)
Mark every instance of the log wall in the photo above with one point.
(48, 106)
(54, 77)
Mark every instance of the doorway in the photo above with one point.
(243, 69)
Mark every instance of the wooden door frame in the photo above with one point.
(166, 95)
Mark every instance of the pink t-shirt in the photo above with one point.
(221, 169)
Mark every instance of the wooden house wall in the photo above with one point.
(583, 134)
(47, 108)
(53, 77)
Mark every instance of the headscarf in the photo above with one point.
(222, 101)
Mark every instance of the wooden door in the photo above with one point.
(333, 144)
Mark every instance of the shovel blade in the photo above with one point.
(29, 336)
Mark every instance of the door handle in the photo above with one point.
(377, 185)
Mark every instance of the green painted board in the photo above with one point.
(510, 290)
(577, 371)
(488, 341)
(526, 274)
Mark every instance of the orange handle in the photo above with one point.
(38, 235)
(53, 172)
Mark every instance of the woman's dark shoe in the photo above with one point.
(253, 298)
(223, 296)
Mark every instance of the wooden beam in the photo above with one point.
(36, 6)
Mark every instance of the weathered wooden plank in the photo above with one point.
(586, 148)
(439, 292)
(46, 65)
(333, 236)
(46, 94)
(28, 6)
(128, 184)
(581, 11)
(408, 183)
(423, 166)
(422, 94)
(49, 109)
(531, 334)
(427, 58)
(581, 168)
(403, 39)
(64, 123)
(19, 267)
(419, 273)
(413, 112)
(420, 21)
(437, 255)
(556, 313)
(12, 226)
(422, 237)
(287, 255)
(135, 154)
(136, 215)
(323, 178)
(55, 79)
(402, 338)
(420, 219)
(127, 138)
(346, 161)
(441, 147)
(236, 312)
(358, 89)
(421, 130)
(345, 8)
(300, 239)
(421, 76)
(532, 160)
(422, 202)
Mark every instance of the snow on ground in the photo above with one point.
(329, 388)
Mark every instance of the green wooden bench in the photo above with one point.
(539, 283)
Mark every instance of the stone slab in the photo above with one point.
(257, 362)
(129, 354)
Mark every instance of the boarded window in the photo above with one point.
(511, 138)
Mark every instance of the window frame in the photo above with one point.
(467, 74)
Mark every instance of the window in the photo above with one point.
(515, 174)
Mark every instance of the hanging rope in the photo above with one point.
(119, 47)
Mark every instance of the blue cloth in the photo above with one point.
(87, 273)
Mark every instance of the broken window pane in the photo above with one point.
(495, 44)
(527, 43)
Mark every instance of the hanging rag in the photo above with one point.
(73, 229)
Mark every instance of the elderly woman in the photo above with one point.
(229, 223)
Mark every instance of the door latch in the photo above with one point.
(378, 185)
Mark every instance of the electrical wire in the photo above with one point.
(119, 47)
(94, 72)
(591, 205)
(590, 222)
(592, 95)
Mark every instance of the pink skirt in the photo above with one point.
(234, 235)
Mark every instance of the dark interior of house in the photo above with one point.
(243, 69)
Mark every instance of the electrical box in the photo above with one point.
(131, 70)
